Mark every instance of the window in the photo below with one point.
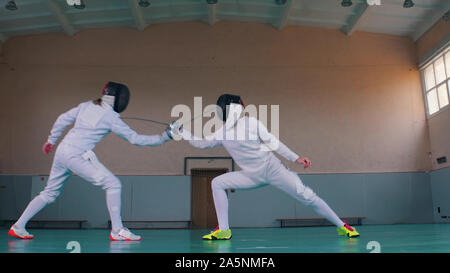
(436, 82)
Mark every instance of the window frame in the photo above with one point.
(425, 91)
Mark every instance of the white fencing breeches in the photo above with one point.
(272, 173)
(68, 160)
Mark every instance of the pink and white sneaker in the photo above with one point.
(20, 233)
(124, 235)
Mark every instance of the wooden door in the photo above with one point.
(203, 212)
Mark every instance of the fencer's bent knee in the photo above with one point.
(306, 195)
(106, 180)
(111, 182)
(49, 196)
(217, 183)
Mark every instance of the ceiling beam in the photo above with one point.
(437, 15)
(359, 17)
(285, 14)
(62, 19)
(11, 30)
(212, 14)
(25, 16)
(137, 15)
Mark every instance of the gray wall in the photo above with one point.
(440, 185)
(15, 191)
(388, 198)
(143, 197)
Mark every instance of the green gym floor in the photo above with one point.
(421, 238)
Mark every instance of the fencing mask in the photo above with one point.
(116, 95)
(230, 108)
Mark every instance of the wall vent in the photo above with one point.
(441, 160)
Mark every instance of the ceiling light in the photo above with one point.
(144, 3)
(79, 5)
(408, 4)
(446, 16)
(346, 3)
(11, 5)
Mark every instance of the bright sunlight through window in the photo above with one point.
(436, 81)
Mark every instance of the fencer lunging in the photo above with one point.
(93, 121)
(250, 145)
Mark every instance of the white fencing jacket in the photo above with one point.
(249, 143)
(92, 123)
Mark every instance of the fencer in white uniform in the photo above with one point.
(93, 121)
(251, 146)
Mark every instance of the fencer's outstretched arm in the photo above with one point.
(200, 143)
(124, 131)
(272, 142)
(61, 123)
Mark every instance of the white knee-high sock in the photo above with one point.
(35, 206)
(221, 204)
(113, 201)
(321, 208)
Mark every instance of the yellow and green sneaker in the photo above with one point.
(348, 231)
(218, 234)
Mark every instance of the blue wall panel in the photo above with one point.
(440, 185)
(342, 192)
(14, 194)
(389, 198)
(259, 207)
(161, 198)
(143, 198)
(386, 198)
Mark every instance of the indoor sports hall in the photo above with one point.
(355, 94)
